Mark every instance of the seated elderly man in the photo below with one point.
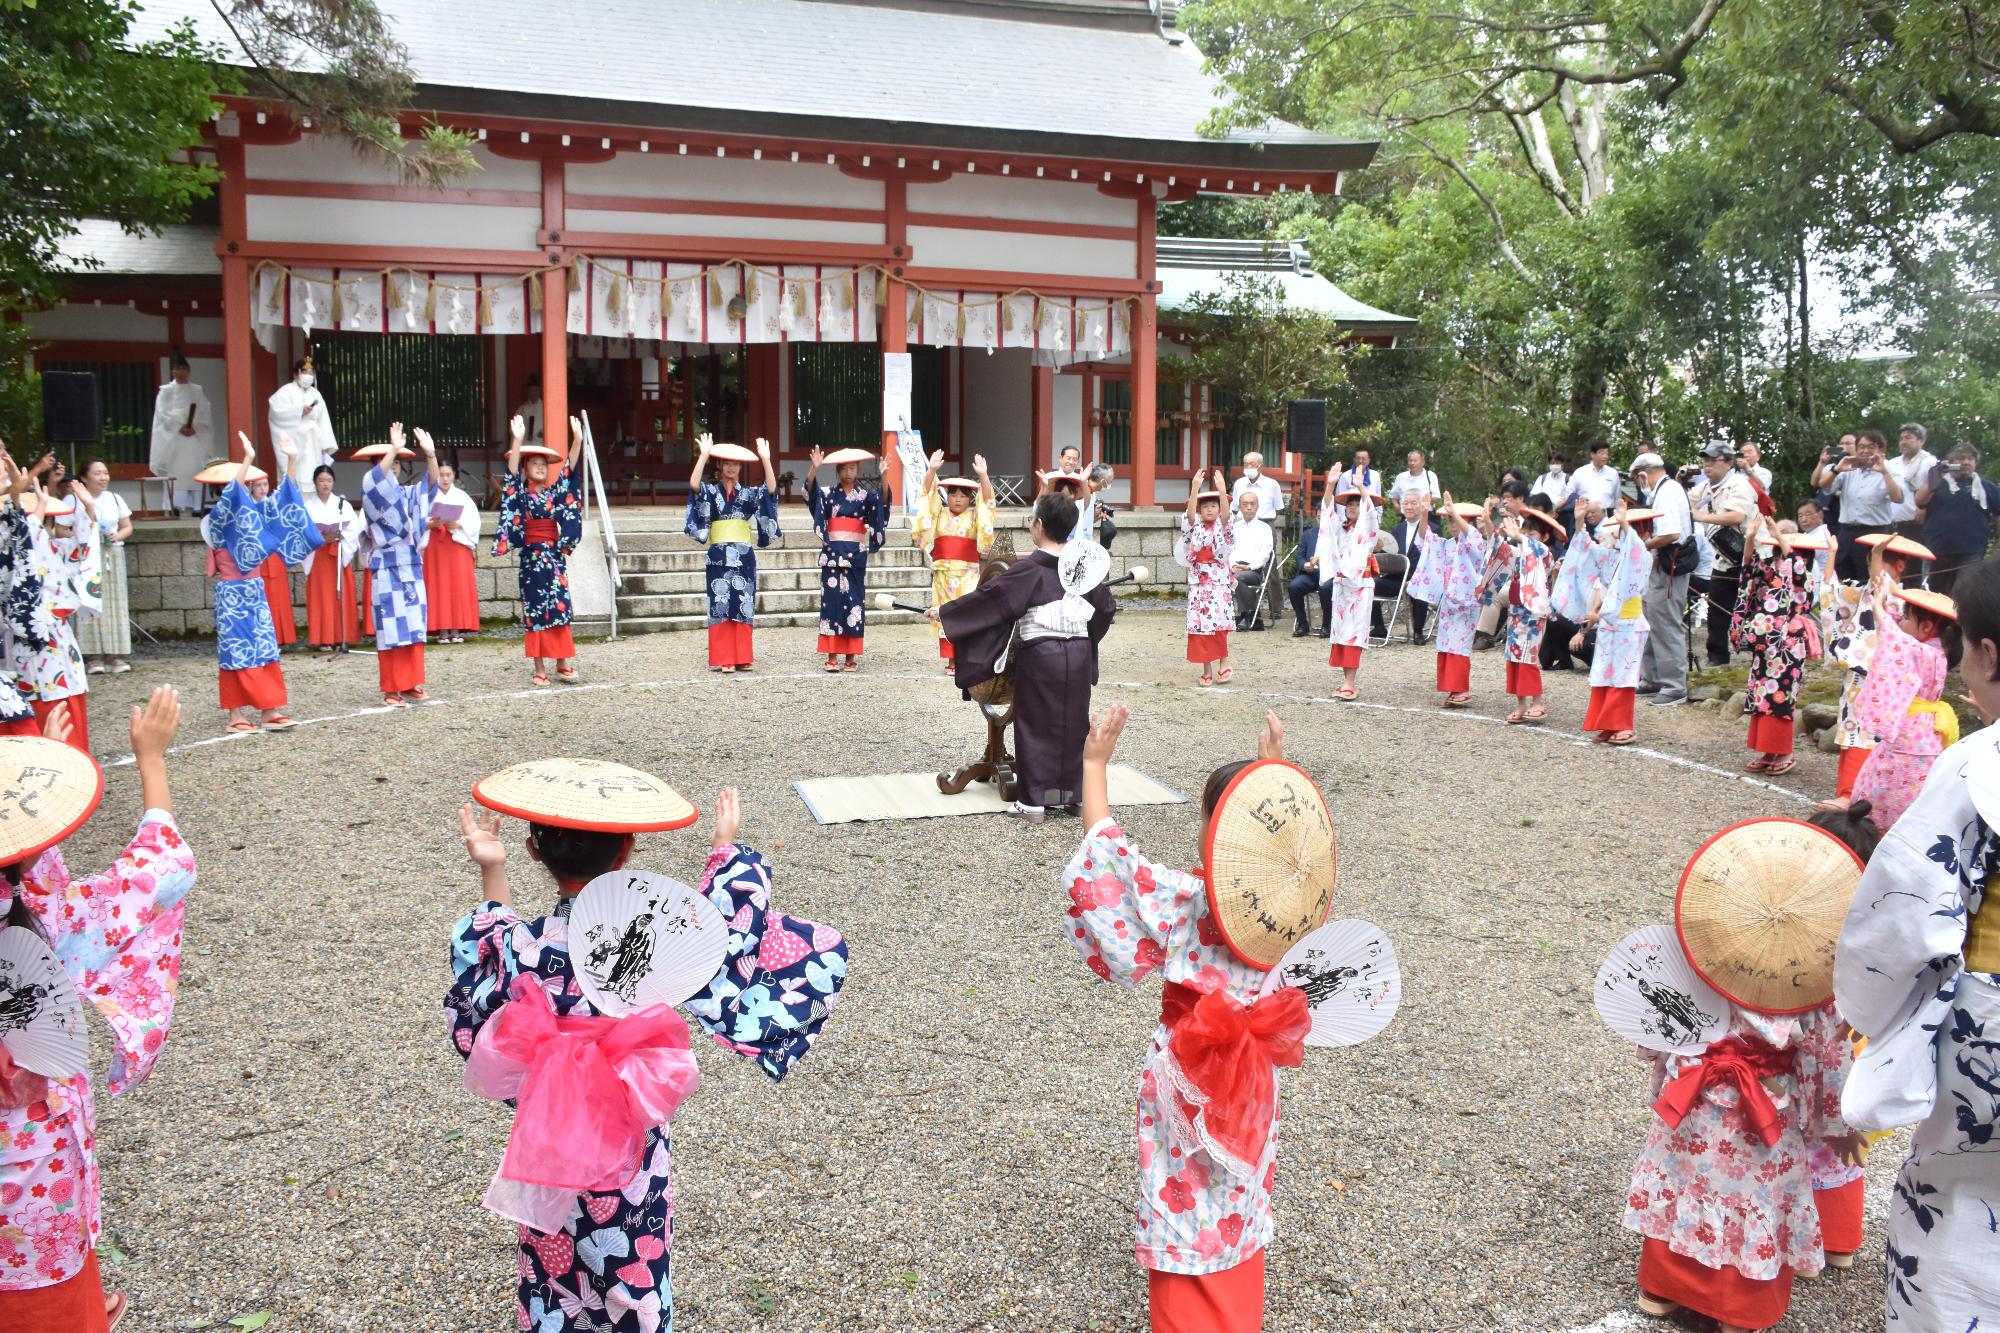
(1253, 548)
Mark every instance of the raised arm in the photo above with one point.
(931, 476)
(575, 442)
(430, 456)
(770, 471)
(152, 732)
(1098, 747)
(702, 444)
(517, 432)
(386, 464)
(985, 482)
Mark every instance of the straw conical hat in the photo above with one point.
(734, 453)
(47, 790)
(593, 794)
(374, 451)
(958, 483)
(221, 474)
(1270, 857)
(839, 456)
(1760, 908)
(539, 451)
(49, 506)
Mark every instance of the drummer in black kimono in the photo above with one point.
(1028, 622)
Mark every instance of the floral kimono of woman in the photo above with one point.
(118, 937)
(956, 544)
(53, 669)
(1619, 568)
(607, 1266)
(1203, 549)
(732, 523)
(1347, 563)
(1774, 623)
(1915, 973)
(1901, 702)
(1519, 571)
(543, 523)
(852, 524)
(1448, 577)
(28, 621)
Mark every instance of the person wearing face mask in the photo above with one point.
(1270, 495)
(183, 435)
(298, 410)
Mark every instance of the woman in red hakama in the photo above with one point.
(451, 583)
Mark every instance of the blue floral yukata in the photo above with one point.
(544, 566)
(242, 533)
(397, 515)
(27, 623)
(843, 561)
(749, 512)
(608, 1266)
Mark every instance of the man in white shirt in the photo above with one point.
(1556, 483)
(1723, 503)
(1913, 467)
(1270, 495)
(1663, 670)
(1418, 480)
(1869, 494)
(1364, 474)
(1250, 559)
(1598, 482)
(1750, 459)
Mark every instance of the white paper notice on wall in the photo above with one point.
(895, 410)
(897, 375)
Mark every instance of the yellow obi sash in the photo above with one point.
(1943, 717)
(728, 531)
(1634, 608)
(1982, 932)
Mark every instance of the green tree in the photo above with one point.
(1258, 353)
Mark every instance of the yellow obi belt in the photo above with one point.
(731, 531)
(1982, 932)
(1634, 608)
(1942, 715)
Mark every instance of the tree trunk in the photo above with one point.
(1807, 410)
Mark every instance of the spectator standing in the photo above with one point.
(105, 635)
(1670, 539)
(1959, 506)
(1868, 491)
(1811, 519)
(1598, 481)
(1100, 480)
(1270, 495)
(1409, 538)
(1253, 545)
(1417, 479)
(1558, 486)
(1364, 475)
(1913, 462)
(1751, 459)
(1723, 503)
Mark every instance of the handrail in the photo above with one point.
(593, 474)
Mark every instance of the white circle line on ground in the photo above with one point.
(1566, 737)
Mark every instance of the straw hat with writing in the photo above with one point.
(221, 474)
(839, 456)
(1270, 858)
(47, 506)
(1760, 908)
(47, 790)
(733, 453)
(593, 794)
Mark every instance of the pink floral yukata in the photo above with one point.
(1129, 918)
(118, 936)
(1899, 702)
(1203, 549)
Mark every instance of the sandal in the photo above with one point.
(831, 665)
(1344, 694)
(1206, 679)
(1535, 715)
(1756, 764)
(1516, 718)
(1783, 764)
(1456, 701)
(241, 727)
(1654, 1308)
(279, 723)
(851, 664)
(541, 677)
(1222, 676)
(418, 693)
(1621, 738)
(568, 677)
(395, 701)
(115, 1305)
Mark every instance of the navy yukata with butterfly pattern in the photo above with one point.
(608, 1267)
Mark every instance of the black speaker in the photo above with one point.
(1305, 426)
(71, 413)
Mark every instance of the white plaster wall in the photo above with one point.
(999, 408)
(316, 157)
(375, 222)
(668, 175)
(1067, 403)
(198, 330)
(710, 224)
(992, 196)
(1012, 252)
(98, 323)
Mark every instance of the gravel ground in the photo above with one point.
(956, 1154)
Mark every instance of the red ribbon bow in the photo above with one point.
(1228, 1050)
(587, 1089)
(1746, 1064)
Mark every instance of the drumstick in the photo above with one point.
(1136, 574)
(884, 602)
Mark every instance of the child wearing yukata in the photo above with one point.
(732, 520)
(1203, 548)
(1848, 630)
(1519, 571)
(1901, 701)
(852, 522)
(1348, 528)
(598, 1262)
(1617, 567)
(49, 665)
(1448, 578)
(1917, 973)
(541, 516)
(1723, 1190)
(1208, 1097)
(247, 528)
(398, 514)
(954, 527)
(117, 939)
(1773, 622)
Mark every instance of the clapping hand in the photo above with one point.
(424, 443)
(979, 465)
(1105, 729)
(1271, 741)
(937, 459)
(763, 449)
(728, 818)
(482, 837)
(286, 447)
(817, 457)
(153, 727)
(396, 436)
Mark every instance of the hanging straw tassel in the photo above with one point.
(534, 282)
(576, 274)
(961, 322)
(614, 300)
(430, 302)
(392, 292)
(666, 305)
(756, 292)
(339, 304)
(1007, 314)
(799, 299)
(483, 308)
(715, 296)
(278, 292)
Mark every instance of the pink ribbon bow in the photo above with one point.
(586, 1091)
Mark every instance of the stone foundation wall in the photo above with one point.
(1143, 539)
(166, 567)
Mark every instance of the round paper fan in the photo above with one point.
(41, 1016)
(1649, 993)
(638, 939)
(1352, 981)
(1082, 565)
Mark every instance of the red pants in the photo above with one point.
(1610, 708)
(1206, 648)
(847, 644)
(729, 644)
(278, 592)
(1770, 735)
(1524, 680)
(27, 726)
(1231, 1301)
(558, 643)
(400, 669)
(254, 687)
(1454, 673)
(1840, 1217)
(331, 620)
(1344, 655)
(1722, 1294)
(75, 1306)
(79, 718)
(944, 648)
(1852, 757)
(451, 587)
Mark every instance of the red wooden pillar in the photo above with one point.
(1042, 405)
(894, 331)
(1145, 362)
(555, 317)
(238, 346)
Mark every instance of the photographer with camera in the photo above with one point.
(1959, 506)
(1869, 494)
(1663, 668)
(1723, 503)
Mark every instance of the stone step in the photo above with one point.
(776, 602)
(680, 623)
(768, 580)
(688, 556)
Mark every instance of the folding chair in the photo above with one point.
(1265, 610)
(1390, 565)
